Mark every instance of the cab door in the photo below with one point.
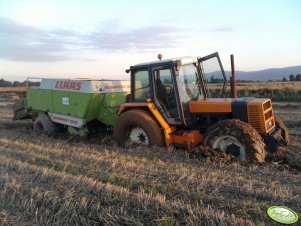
(214, 77)
(165, 95)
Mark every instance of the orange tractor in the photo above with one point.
(181, 102)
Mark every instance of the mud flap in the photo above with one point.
(274, 140)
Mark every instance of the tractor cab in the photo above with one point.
(173, 83)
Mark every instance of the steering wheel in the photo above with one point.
(169, 89)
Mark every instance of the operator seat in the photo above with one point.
(160, 89)
(162, 97)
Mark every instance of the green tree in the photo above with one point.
(4, 83)
(284, 79)
(292, 77)
(16, 84)
(298, 77)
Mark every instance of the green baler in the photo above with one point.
(75, 103)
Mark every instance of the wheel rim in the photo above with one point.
(230, 145)
(139, 136)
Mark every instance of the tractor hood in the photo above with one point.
(212, 105)
(258, 112)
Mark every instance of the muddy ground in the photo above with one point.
(68, 181)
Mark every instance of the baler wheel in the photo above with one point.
(139, 127)
(237, 138)
(43, 124)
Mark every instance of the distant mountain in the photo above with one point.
(264, 75)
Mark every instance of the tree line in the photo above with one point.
(4, 83)
(292, 77)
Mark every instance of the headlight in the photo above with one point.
(269, 124)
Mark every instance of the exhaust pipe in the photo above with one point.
(233, 78)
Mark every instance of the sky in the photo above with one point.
(101, 39)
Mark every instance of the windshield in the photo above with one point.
(188, 82)
(213, 76)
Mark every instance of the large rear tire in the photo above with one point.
(139, 127)
(43, 124)
(236, 138)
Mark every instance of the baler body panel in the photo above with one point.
(39, 99)
(71, 103)
(110, 103)
(84, 100)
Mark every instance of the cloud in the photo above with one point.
(112, 36)
(19, 42)
(223, 29)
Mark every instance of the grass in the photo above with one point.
(51, 181)
(13, 89)
(277, 91)
(62, 181)
(65, 198)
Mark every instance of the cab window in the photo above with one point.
(165, 92)
(141, 86)
(188, 83)
(214, 77)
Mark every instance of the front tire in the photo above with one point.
(236, 138)
(139, 127)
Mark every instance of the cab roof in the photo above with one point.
(179, 60)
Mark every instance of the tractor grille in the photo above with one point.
(253, 114)
(260, 115)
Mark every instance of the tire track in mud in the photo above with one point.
(54, 196)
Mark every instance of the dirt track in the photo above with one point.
(62, 180)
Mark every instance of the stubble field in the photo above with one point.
(64, 180)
